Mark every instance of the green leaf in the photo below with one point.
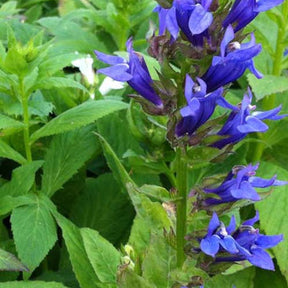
(82, 267)
(268, 85)
(129, 278)
(103, 257)
(242, 279)
(76, 117)
(32, 284)
(264, 279)
(8, 122)
(22, 180)
(159, 261)
(8, 203)
(67, 153)
(156, 192)
(142, 204)
(274, 222)
(8, 262)
(8, 152)
(103, 206)
(34, 232)
(58, 82)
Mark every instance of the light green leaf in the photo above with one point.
(268, 85)
(159, 261)
(242, 279)
(58, 82)
(82, 267)
(22, 180)
(76, 117)
(130, 279)
(8, 262)
(273, 213)
(103, 257)
(8, 122)
(67, 153)
(32, 284)
(34, 232)
(8, 203)
(7, 152)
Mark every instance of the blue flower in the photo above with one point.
(192, 17)
(240, 184)
(234, 60)
(242, 122)
(134, 71)
(200, 106)
(244, 11)
(245, 243)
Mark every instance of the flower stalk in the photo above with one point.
(181, 208)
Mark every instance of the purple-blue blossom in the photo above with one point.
(240, 183)
(244, 243)
(192, 17)
(235, 58)
(134, 71)
(244, 121)
(200, 106)
(244, 11)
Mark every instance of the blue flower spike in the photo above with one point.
(234, 59)
(133, 71)
(244, 11)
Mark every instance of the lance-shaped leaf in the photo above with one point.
(79, 116)
(8, 152)
(8, 122)
(8, 262)
(32, 284)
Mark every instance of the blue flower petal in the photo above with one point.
(213, 224)
(264, 5)
(252, 124)
(261, 258)
(199, 20)
(252, 221)
(117, 72)
(210, 245)
(266, 242)
(232, 225)
(228, 243)
(246, 191)
(109, 59)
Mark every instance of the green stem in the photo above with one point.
(181, 209)
(269, 102)
(26, 132)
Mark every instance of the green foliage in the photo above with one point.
(9, 262)
(67, 153)
(79, 116)
(34, 232)
(32, 284)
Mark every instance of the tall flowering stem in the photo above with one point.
(181, 208)
(269, 102)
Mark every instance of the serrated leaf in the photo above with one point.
(32, 284)
(8, 262)
(58, 82)
(275, 223)
(8, 203)
(268, 85)
(159, 261)
(103, 257)
(34, 232)
(8, 122)
(22, 180)
(67, 153)
(81, 265)
(76, 117)
(8, 152)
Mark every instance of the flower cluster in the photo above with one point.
(192, 25)
(244, 243)
(239, 184)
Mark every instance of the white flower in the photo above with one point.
(85, 67)
(109, 84)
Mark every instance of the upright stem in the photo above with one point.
(26, 132)
(181, 212)
(269, 102)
